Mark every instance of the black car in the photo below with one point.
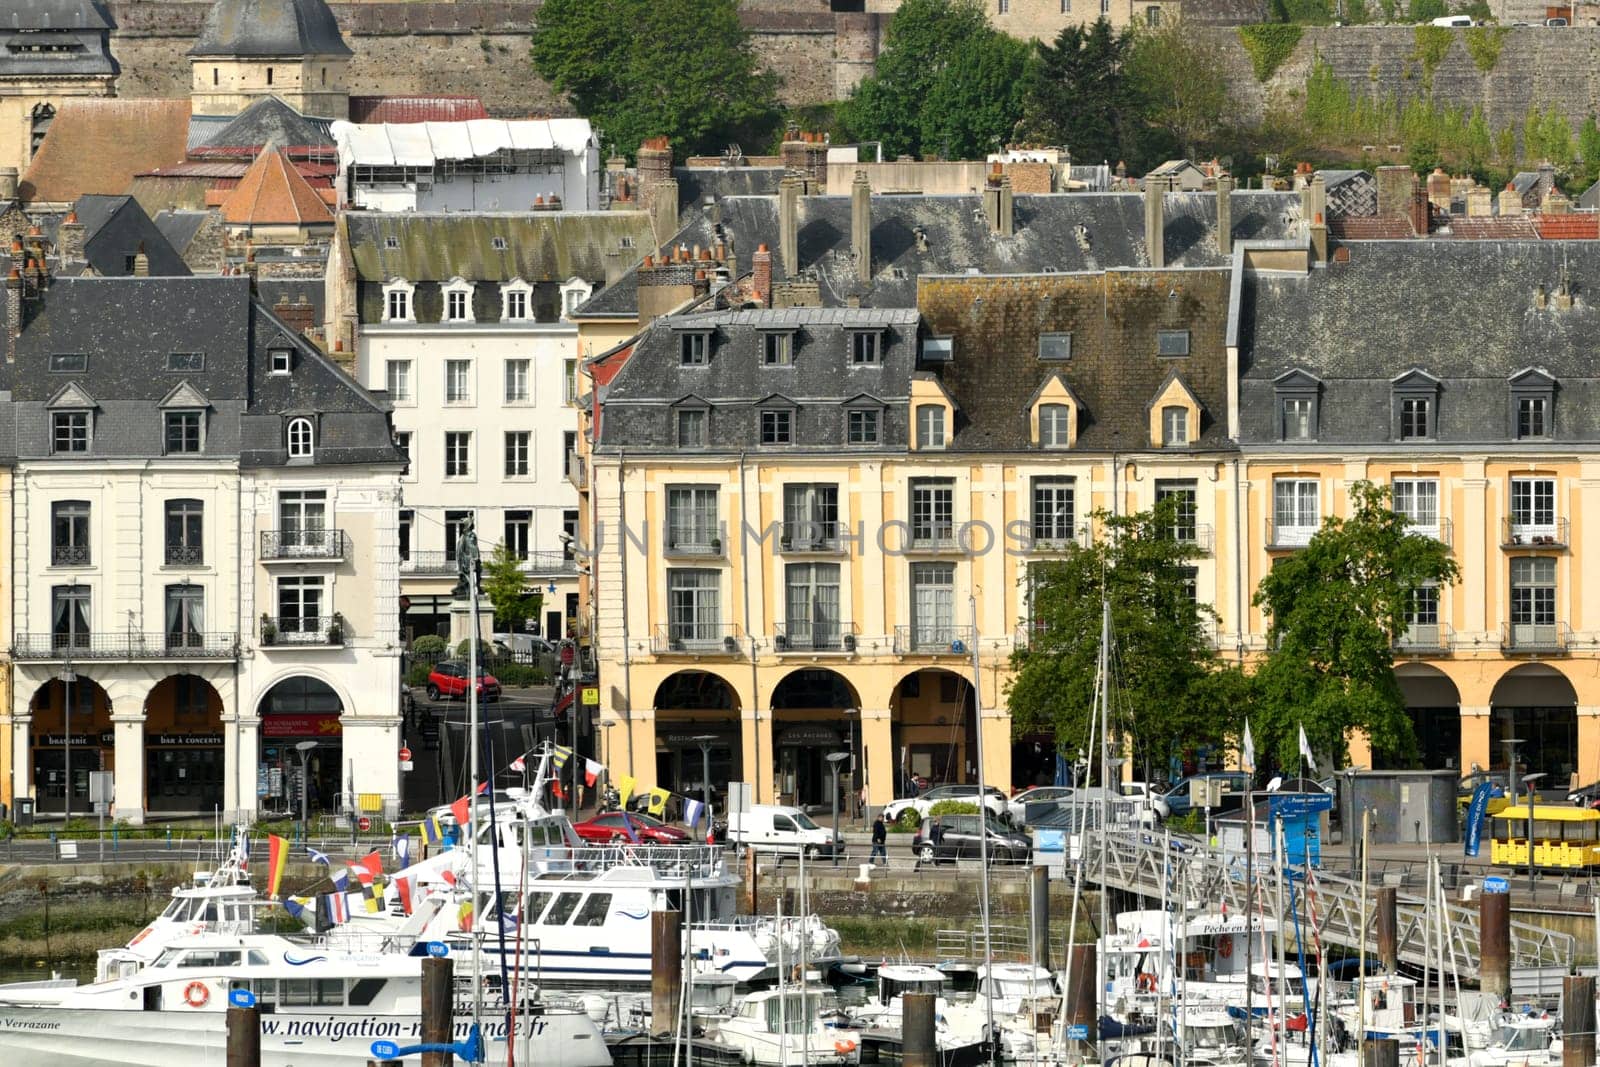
(947, 838)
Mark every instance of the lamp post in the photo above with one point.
(304, 748)
(1528, 782)
(67, 678)
(850, 748)
(704, 741)
(834, 759)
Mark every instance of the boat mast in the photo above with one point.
(983, 839)
(1105, 766)
(467, 561)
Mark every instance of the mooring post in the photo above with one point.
(1388, 930)
(918, 1047)
(1040, 900)
(1494, 944)
(666, 971)
(438, 1008)
(1577, 1022)
(244, 1037)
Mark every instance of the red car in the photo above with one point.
(448, 680)
(607, 828)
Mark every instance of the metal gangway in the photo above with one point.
(1145, 863)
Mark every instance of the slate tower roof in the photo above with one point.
(259, 28)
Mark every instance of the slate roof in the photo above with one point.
(1462, 311)
(695, 184)
(273, 192)
(736, 385)
(539, 246)
(81, 24)
(268, 121)
(416, 108)
(180, 227)
(127, 327)
(1063, 231)
(97, 146)
(115, 229)
(270, 28)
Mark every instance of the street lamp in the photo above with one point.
(704, 741)
(304, 748)
(834, 759)
(67, 678)
(1529, 781)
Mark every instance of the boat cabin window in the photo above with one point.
(292, 992)
(166, 957)
(562, 909)
(536, 905)
(363, 991)
(175, 908)
(258, 958)
(1521, 1039)
(594, 910)
(208, 957)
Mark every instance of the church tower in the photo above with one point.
(50, 50)
(249, 49)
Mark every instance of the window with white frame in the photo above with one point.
(1055, 426)
(518, 533)
(932, 511)
(300, 604)
(1174, 426)
(1533, 417)
(1533, 600)
(1533, 508)
(1296, 511)
(69, 431)
(458, 381)
(186, 616)
(458, 302)
(692, 428)
(1054, 510)
(302, 438)
(402, 444)
(518, 447)
(518, 381)
(573, 297)
(930, 426)
(1422, 617)
(1415, 418)
(1184, 494)
(397, 302)
(933, 607)
(1297, 418)
(692, 523)
(569, 380)
(514, 303)
(694, 607)
(397, 379)
(458, 454)
(282, 360)
(1417, 500)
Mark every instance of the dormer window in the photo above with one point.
(69, 431)
(694, 349)
(863, 348)
(1174, 427)
(1297, 405)
(930, 426)
(777, 348)
(938, 349)
(1055, 426)
(301, 436)
(397, 305)
(573, 295)
(1415, 418)
(458, 301)
(514, 303)
(1532, 405)
(1415, 400)
(282, 360)
(777, 427)
(184, 432)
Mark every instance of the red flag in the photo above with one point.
(369, 866)
(462, 810)
(449, 876)
(555, 787)
(403, 887)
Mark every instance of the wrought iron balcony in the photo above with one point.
(549, 563)
(184, 555)
(1534, 639)
(933, 640)
(697, 639)
(428, 563)
(125, 645)
(69, 555)
(300, 545)
(1052, 538)
(1282, 537)
(933, 537)
(1440, 530)
(706, 544)
(811, 536)
(1196, 534)
(1552, 533)
(303, 630)
(1425, 639)
(813, 635)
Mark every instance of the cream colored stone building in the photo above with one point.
(54, 50)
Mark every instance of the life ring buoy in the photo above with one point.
(1225, 948)
(196, 995)
(844, 1047)
(1147, 983)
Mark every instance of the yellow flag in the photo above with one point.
(625, 788)
(658, 801)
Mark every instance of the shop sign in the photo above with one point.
(184, 740)
(104, 739)
(722, 736)
(323, 725)
(808, 736)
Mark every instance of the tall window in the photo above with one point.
(777, 349)
(1417, 499)
(518, 531)
(300, 605)
(863, 348)
(862, 427)
(457, 381)
(402, 444)
(811, 596)
(777, 427)
(569, 452)
(457, 305)
(1422, 617)
(569, 380)
(397, 379)
(569, 526)
(183, 431)
(517, 391)
(516, 308)
(694, 607)
(1297, 419)
(1174, 427)
(517, 448)
(69, 431)
(810, 515)
(302, 439)
(1415, 419)
(398, 305)
(186, 616)
(1183, 494)
(1533, 507)
(69, 616)
(692, 428)
(302, 520)
(692, 518)
(457, 454)
(930, 426)
(1295, 511)
(1533, 600)
(1055, 426)
(69, 533)
(1533, 416)
(933, 605)
(694, 349)
(455, 524)
(1054, 510)
(406, 517)
(932, 511)
(185, 530)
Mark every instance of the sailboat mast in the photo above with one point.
(983, 837)
(1105, 765)
(469, 560)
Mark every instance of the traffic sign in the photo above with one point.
(364, 824)
(1075, 1032)
(1496, 884)
(591, 696)
(405, 754)
(438, 949)
(385, 1050)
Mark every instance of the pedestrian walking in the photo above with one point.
(880, 841)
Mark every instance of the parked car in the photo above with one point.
(1175, 801)
(952, 837)
(609, 828)
(448, 680)
(1017, 806)
(531, 649)
(994, 800)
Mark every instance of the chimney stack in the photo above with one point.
(1395, 191)
(1225, 215)
(8, 184)
(13, 312)
(1155, 236)
(1008, 208)
(861, 226)
(761, 274)
(1421, 210)
(658, 192)
(1439, 189)
(789, 225)
(141, 263)
(70, 238)
(1510, 200)
(1480, 202)
(997, 202)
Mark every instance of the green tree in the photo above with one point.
(1556, 135)
(1478, 145)
(944, 82)
(1505, 147)
(1425, 11)
(683, 69)
(506, 586)
(1077, 93)
(1163, 687)
(1589, 149)
(1181, 83)
(1337, 607)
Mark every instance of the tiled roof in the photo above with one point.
(1357, 228)
(97, 146)
(1583, 227)
(272, 191)
(416, 108)
(1490, 228)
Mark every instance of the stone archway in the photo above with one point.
(184, 746)
(815, 712)
(1434, 704)
(691, 706)
(71, 735)
(1537, 705)
(301, 710)
(934, 728)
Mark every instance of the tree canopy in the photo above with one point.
(1336, 608)
(1078, 93)
(683, 69)
(1168, 690)
(506, 586)
(1182, 88)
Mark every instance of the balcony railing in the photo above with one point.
(125, 645)
(1440, 530)
(933, 538)
(1554, 533)
(1197, 534)
(1425, 639)
(1282, 536)
(303, 630)
(697, 639)
(1526, 638)
(549, 563)
(1029, 634)
(304, 544)
(813, 636)
(811, 536)
(427, 563)
(707, 544)
(1059, 537)
(185, 555)
(69, 555)
(933, 640)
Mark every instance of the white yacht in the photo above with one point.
(789, 1028)
(320, 1007)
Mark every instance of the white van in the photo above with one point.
(1453, 20)
(781, 829)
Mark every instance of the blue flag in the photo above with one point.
(1475, 814)
(401, 848)
(341, 879)
(692, 810)
(318, 857)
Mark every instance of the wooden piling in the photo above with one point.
(1040, 902)
(1082, 990)
(666, 971)
(1494, 944)
(1388, 929)
(438, 1008)
(244, 1037)
(918, 1046)
(1381, 1052)
(1577, 1022)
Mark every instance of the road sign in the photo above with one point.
(438, 949)
(385, 1050)
(405, 754)
(591, 696)
(364, 824)
(242, 998)
(1075, 1032)
(1496, 884)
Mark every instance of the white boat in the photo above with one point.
(1018, 986)
(959, 1028)
(218, 901)
(1521, 1041)
(319, 1008)
(788, 1028)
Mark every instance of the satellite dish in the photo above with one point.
(1276, 784)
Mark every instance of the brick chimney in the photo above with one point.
(1510, 200)
(761, 274)
(1421, 210)
(1155, 233)
(300, 315)
(861, 226)
(1439, 189)
(1225, 215)
(141, 263)
(1395, 191)
(655, 169)
(666, 282)
(789, 225)
(70, 238)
